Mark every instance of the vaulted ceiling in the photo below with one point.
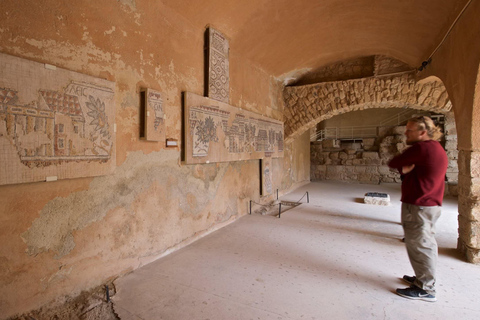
(289, 38)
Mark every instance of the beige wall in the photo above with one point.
(62, 237)
(295, 165)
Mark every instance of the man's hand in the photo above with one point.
(407, 169)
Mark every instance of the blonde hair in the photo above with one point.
(427, 124)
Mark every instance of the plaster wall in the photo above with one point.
(62, 237)
(295, 165)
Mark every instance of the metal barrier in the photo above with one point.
(290, 204)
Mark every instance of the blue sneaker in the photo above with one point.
(414, 292)
(409, 279)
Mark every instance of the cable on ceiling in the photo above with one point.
(426, 62)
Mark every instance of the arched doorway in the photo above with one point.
(307, 105)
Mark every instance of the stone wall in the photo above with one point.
(469, 205)
(364, 161)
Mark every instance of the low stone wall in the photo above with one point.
(364, 161)
(357, 173)
(350, 165)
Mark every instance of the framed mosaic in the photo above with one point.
(54, 123)
(266, 176)
(218, 132)
(153, 115)
(218, 80)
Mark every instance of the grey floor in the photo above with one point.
(333, 258)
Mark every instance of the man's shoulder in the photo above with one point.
(429, 144)
(433, 149)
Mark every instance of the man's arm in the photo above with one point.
(407, 169)
(406, 161)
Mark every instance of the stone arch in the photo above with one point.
(305, 106)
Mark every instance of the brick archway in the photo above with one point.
(305, 106)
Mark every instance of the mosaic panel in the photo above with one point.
(218, 132)
(154, 115)
(54, 123)
(218, 66)
(266, 176)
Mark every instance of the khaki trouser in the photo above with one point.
(419, 227)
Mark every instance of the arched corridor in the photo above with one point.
(108, 163)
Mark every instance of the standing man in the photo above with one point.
(423, 167)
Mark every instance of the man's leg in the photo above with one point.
(419, 227)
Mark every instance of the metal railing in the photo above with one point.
(398, 118)
(350, 133)
(359, 132)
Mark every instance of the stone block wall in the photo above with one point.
(364, 162)
(469, 205)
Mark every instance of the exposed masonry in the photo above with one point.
(366, 161)
(307, 105)
(469, 204)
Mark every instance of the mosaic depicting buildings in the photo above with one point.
(53, 123)
(217, 132)
(218, 66)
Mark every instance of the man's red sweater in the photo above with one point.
(425, 184)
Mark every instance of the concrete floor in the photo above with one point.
(334, 258)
